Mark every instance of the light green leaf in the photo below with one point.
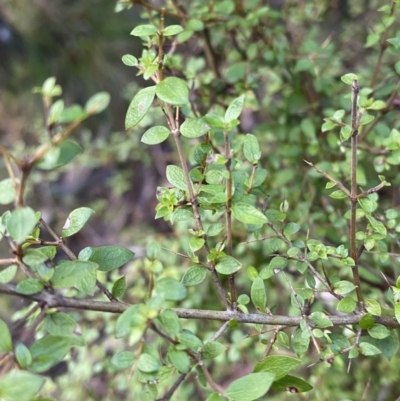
(378, 331)
(215, 397)
(21, 223)
(60, 155)
(258, 294)
(20, 385)
(176, 177)
(119, 287)
(170, 321)
(139, 106)
(212, 350)
(194, 127)
(291, 384)
(107, 257)
(147, 363)
(7, 192)
(191, 341)
(194, 275)
(155, 135)
(123, 359)
(76, 221)
(251, 149)
(343, 287)
(72, 114)
(280, 366)
(320, 319)
(215, 229)
(170, 289)
(250, 387)
(59, 324)
(290, 229)
(377, 105)
(278, 262)
(196, 243)
(23, 356)
(7, 274)
(300, 343)
(130, 60)
(179, 359)
(348, 78)
(234, 110)
(366, 119)
(55, 111)
(345, 133)
(227, 265)
(366, 204)
(144, 30)
(5, 338)
(134, 317)
(397, 311)
(97, 103)
(248, 214)
(366, 321)
(71, 272)
(395, 42)
(339, 194)
(173, 90)
(368, 349)
(347, 305)
(373, 307)
(29, 286)
(172, 30)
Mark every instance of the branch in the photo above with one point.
(59, 301)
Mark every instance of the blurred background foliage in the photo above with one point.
(287, 57)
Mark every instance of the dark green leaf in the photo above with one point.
(300, 343)
(290, 229)
(366, 321)
(119, 287)
(5, 338)
(291, 384)
(60, 155)
(139, 106)
(107, 257)
(191, 341)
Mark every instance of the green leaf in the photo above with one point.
(132, 318)
(60, 155)
(366, 204)
(215, 397)
(250, 387)
(130, 60)
(70, 272)
(234, 110)
(147, 363)
(339, 194)
(291, 384)
(144, 30)
(320, 319)
(172, 30)
(123, 359)
(179, 359)
(397, 311)
(251, 149)
(7, 274)
(348, 78)
(345, 133)
(248, 214)
(72, 114)
(366, 321)
(48, 85)
(194, 275)
(227, 265)
(258, 294)
(194, 127)
(278, 262)
(212, 350)
(395, 42)
(170, 321)
(55, 111)
(196, 243)
(191, 341)
(155, 135)
(215, 229)
(290, 229)
(119, 287)
(173, 90)
(378, 331)
(7, 192)
(5, 338)
(139, 106)
(377, 105)
(21, 223)
(50, 350)
(368, 349)
(280, 366)
(300, 343)
(20, 385)
(176, 177)
(76, 221)
(59, 324)
(347, 305)
(29, 286)
(107, 257)
(34, 258)
(366, 119)
(373, 307)
(343, 287)
(97, 103)
(170, 289)
(23, 355)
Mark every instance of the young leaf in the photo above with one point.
(227, 265)
(173, 90)
(97, 103)
(155, 135)
(234, 109)
(76, 221)
(139, 106)
(258, 294)
(21, 223)
(176, 177)
(250, 387)
(194, 275)
(107, 257)
(248, 214)
(348, 78)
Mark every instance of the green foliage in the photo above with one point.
(265, 247)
